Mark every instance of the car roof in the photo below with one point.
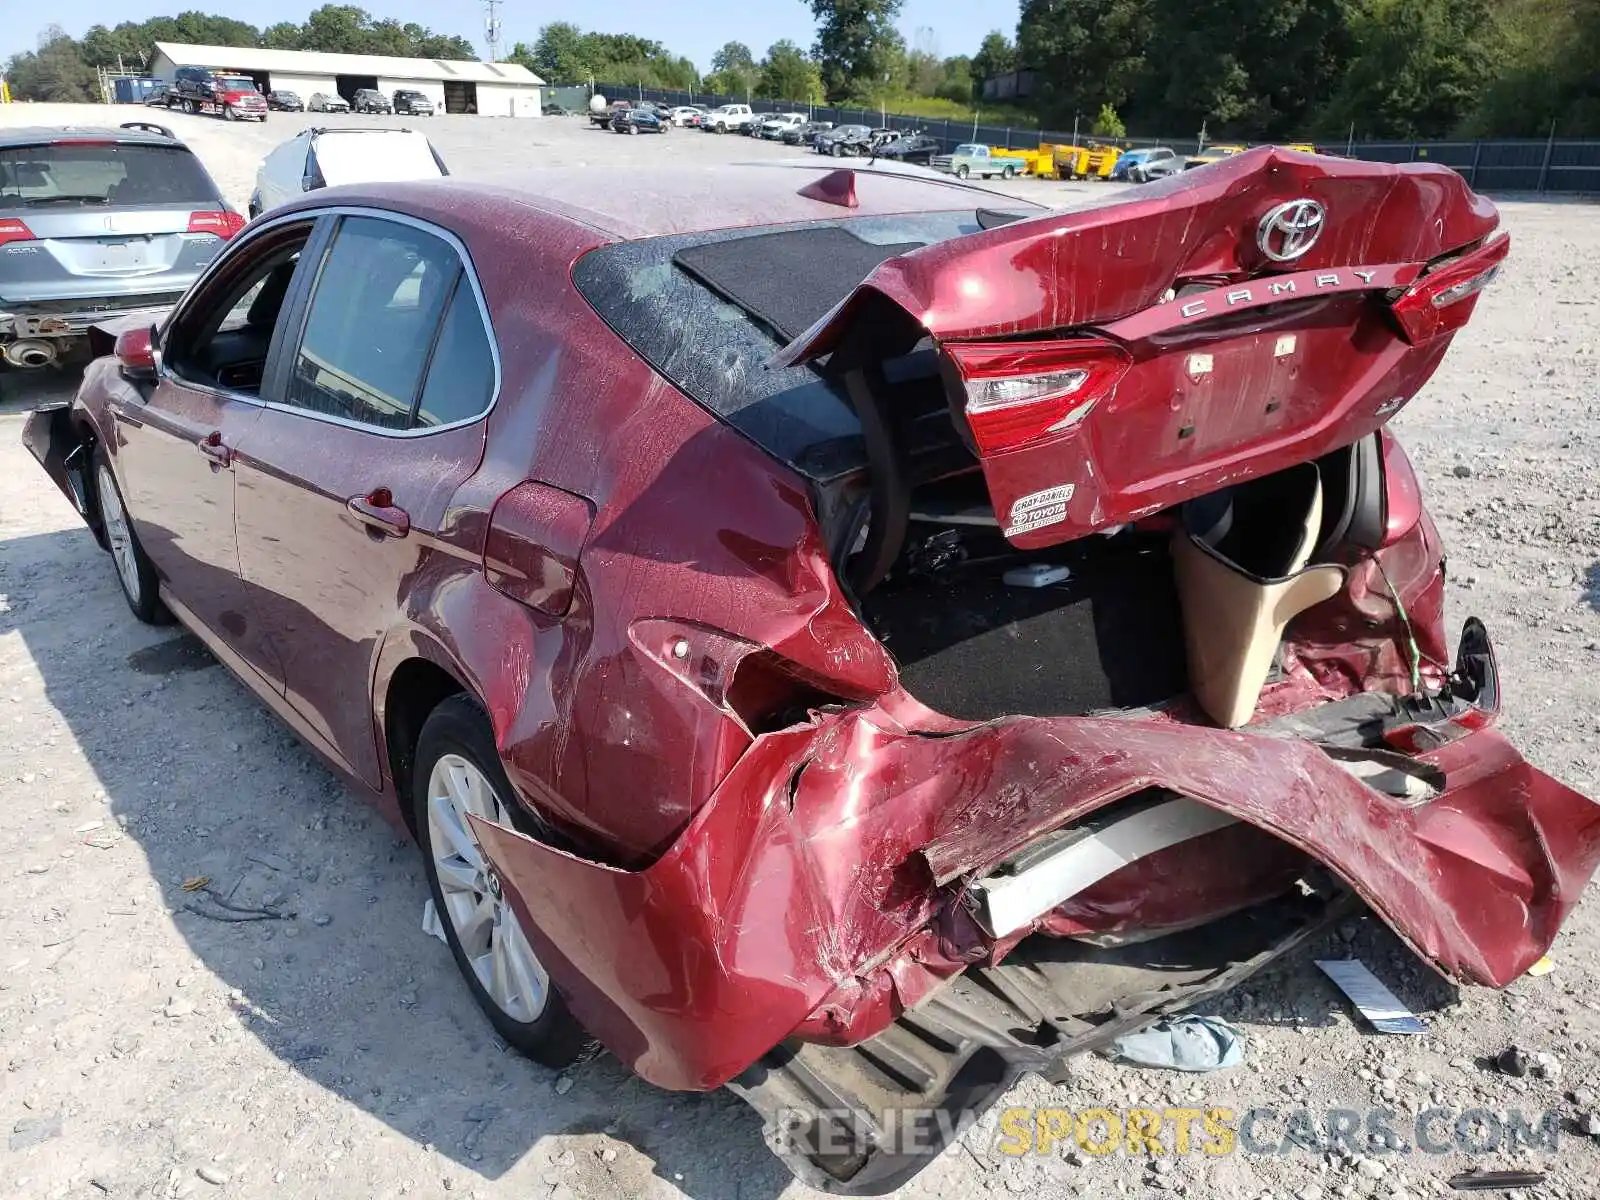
(318, 131)
(34, 135)
(626, 203)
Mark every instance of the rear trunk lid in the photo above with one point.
(1110, 362)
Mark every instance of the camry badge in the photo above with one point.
(1289, 230)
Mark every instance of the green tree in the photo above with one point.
(1420, 67)
(787, 74)
(55, 71)
(1085, 52)
(734, 56)
(1260, 67)
(858, 49)
(336, 28)
(1547, 73)
(283, 35)
(734, 69)
(1108, 124)
(955, 82)
(104, 47)
(995, 56)
(558, 54)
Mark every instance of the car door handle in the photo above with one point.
(213, 447)
(377, 510)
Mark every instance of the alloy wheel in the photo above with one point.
(487, 928)
(115, 521)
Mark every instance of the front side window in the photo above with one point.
(222, 337)
(460, 379)
(390, 300)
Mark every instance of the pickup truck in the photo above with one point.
(726, 117)
(603, 115)
(973, 159)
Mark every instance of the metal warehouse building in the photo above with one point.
(489, 89)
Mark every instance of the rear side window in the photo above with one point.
(101, 173)
(389, 299)
(461, 376)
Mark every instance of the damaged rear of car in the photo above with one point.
(1112, 662)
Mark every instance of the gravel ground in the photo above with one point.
(151, 1051)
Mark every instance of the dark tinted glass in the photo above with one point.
(461, 376)
(716, 352)
(372, 319)
(122, 173)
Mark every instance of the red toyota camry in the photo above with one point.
(850, 636)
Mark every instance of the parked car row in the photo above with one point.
(238, 97)
(1094, 159)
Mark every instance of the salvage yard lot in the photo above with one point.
(153, 1051)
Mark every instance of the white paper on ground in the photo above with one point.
(1376, 1003)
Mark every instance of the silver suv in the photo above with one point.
(97, 223)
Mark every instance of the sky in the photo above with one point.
(693, 29)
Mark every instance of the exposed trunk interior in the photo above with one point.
(981, 629)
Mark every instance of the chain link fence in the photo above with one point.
(1536, 165)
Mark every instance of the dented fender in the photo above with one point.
(812, 869)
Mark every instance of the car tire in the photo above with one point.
(188, 107)
(254, 207)
(963, 171)
(136, 574)
(457, 743)
(1008, 173)
(229, 113)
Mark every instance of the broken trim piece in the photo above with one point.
(1020, 891)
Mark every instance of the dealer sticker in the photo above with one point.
(1038, 509)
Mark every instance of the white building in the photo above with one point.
(496, 89)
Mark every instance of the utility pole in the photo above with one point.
(491, 28)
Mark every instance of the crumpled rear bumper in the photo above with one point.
(806, 894)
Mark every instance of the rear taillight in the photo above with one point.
(14, 230)
(1442, 300)
(1020, 392)
(221, 223)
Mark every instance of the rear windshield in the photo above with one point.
(62, 174)
(714, 346)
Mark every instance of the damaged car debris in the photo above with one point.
(853, 645)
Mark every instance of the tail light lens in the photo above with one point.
(1442, 301)
(14, 230)
(222, 223)
(1020, 392)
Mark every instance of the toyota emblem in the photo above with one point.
(1289, 230)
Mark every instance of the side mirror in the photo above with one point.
(136, 354)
